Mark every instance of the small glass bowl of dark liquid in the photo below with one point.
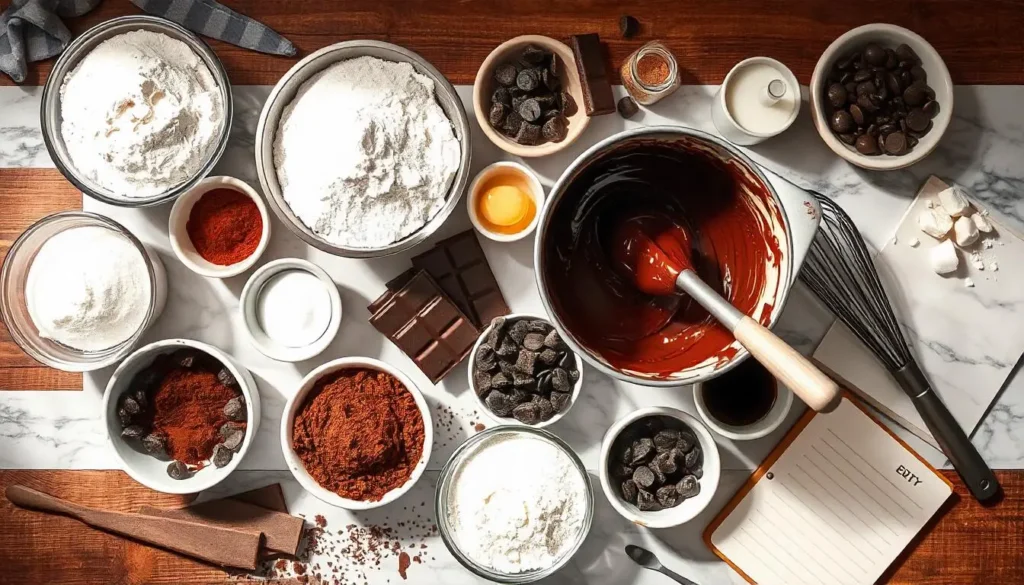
(744, 403)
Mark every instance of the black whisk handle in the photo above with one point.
(955, 443)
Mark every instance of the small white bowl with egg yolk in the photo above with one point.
(505, 199)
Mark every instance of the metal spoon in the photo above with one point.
(647, 560)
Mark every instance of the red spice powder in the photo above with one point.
(225, 226)
(188, 409)
(359, 434)
(652, 70)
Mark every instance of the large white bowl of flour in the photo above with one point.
(363, 149)
(136, 111)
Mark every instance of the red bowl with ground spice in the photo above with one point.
(357, 434)
(219, 228)
(187, 405)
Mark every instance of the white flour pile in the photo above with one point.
(88, 288)
(517, 504)
(364, 154)
(141, 114)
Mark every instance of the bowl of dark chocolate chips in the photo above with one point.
(528, 97)
(881, 97)
(659, 467)
(181, 415)
(522, 372)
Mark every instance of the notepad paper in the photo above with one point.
(839, 505)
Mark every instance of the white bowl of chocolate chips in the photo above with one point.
(521, 372)
(179, 396)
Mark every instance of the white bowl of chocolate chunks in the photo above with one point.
(181, 415)
(659, 467)
(521, 372)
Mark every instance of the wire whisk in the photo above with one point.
(839, 271)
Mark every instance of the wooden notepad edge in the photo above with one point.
(774, 456)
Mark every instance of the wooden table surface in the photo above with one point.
(981, 43)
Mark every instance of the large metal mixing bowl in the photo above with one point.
(283, 94)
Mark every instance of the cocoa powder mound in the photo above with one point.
(359, 434)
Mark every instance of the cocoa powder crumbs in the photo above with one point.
(359, 434)
(652, 70)
(403, 564)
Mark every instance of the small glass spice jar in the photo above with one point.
(650, 73)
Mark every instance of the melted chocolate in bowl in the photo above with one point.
(715, 205)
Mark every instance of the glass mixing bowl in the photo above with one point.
(444, 486)
(14, 308)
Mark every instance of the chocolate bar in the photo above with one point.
(390, 288)
(597, 88)
(427, 326)
(459, 266)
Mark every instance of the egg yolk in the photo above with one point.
(504, 205)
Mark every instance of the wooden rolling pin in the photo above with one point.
(213, 544)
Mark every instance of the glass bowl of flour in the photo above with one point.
(514, 504)
(136, 111)
(78, 291)
(363, 149)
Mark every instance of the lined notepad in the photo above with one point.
(837, 502)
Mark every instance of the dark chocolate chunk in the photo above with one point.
(155, 445)
(538, 326)
(667, 438)
(693, 458)
(687, 440)
(142, 398)
(628, 26)
(620, 471)
(233, 439)
(519, 396)
(555, 128)
(523, 380)
(668, 496)
(133, 432)
(574, 374)
(225, 377)
(698, 473)
(481, 383)
(130, 405)
(518, 331)
(507, 348)
(533, 54)
(550, 79)
(518, 101)
(554, 341)
(124, 417)
(643, 476)
(513, 122)
(527, 413)
(560, 401)
(628, 107)
(507, 366)
(497, 331)
(497, 114)
(646, 502)
(234, 409)
(500, 381)
(664, 463)
(688, 486)
(501, 404)
(530, 109)
(185, 358)
(484, 358)
(569, 107)
(643, 450)
(629, 491)
(529, 134)
(528, 79)
(544, 408)
(548, 357)
(590, 62)
(626, 455)
(221, 455)
(560, 380)
(501, 96)
(505, 74)
(527, 362)
(178, 470)
(533, 341)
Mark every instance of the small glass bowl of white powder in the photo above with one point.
(514, 504)
(78, 290)
(136, 111)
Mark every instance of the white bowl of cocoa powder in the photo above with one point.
(357, 434)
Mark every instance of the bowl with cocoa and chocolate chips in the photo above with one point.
(659, 467)
(181, 415)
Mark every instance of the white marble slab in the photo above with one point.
(62, 429)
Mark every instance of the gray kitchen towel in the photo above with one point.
(31, 30)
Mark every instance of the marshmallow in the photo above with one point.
(944, 258)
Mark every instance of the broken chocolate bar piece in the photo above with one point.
(424, 323)
(590, 61)
(459, 267)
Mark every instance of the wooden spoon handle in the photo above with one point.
(792, 369)
(221, 546)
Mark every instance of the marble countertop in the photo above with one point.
(63, 430)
